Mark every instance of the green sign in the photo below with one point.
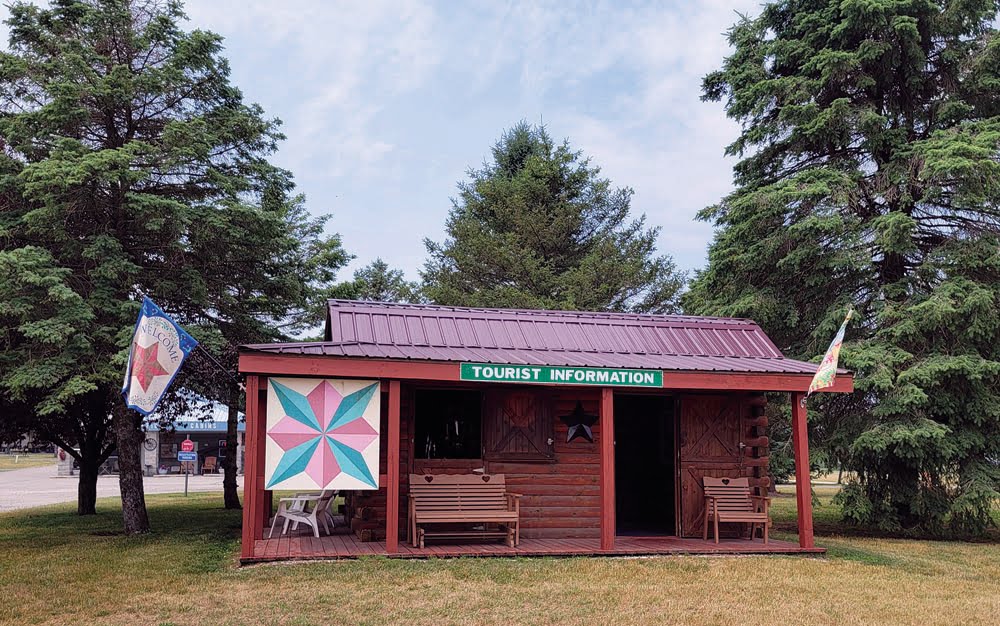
(549, 375)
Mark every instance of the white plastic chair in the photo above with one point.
(310, 509)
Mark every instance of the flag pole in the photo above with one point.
(220, 366)
(210, 356)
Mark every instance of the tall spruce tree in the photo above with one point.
(381, 283)
(870, 177)
(539, 228)
(131, 165)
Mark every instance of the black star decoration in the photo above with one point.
(579, 422)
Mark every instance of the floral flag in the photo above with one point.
(826, 374)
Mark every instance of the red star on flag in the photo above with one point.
(145, 365)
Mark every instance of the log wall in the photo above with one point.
(561, 497)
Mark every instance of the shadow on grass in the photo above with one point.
(205, 533)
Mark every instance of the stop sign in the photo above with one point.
(187, 445)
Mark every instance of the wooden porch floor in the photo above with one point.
(345, 545)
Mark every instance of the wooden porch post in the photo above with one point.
(392, 472)
(607, 421)
(803, 485)
(253, 496)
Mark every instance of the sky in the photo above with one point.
(387, 104)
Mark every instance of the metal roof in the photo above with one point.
(381, 330)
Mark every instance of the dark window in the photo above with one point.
(447, 424)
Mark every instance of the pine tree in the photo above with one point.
(870, 177)
(131, 165)
(380, 283)
(539, 228)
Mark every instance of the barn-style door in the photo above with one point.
(710, 445)
(518, 426)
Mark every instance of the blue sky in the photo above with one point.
(387, 104)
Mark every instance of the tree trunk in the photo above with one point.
(86, 493)
(229, 464)
(130, 436)
(92, 453)
(772, 487)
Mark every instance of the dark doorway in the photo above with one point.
(644, 465)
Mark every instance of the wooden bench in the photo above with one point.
(463, 499)
(729, 500)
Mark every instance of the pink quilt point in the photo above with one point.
(324, 400)
(323, 466)
(357, 434)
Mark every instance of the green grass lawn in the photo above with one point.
(57, 568)
(20, 461)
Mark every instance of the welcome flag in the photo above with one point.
(159, 347)
(826, 373)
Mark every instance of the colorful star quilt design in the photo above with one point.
(323, 434)
(146, 365)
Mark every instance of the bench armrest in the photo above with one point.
(763, 503)
(514, 502)
(711, 504)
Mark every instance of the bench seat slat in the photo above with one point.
(493, 516)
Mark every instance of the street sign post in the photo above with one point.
(187, 456)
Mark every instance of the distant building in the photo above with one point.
(159, 450)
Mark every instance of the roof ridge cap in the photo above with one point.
(341, 303)
(357, 342)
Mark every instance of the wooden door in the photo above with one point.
(710, 437)
(518, 425)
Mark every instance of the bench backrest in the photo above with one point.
(731, 494)
(458, 492)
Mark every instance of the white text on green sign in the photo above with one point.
(550, 375)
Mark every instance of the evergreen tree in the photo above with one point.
(539, 228)
(870, 177)
(380, 283)
(131, 165)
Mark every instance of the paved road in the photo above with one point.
(36, 486)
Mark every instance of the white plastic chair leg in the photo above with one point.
(273, 522)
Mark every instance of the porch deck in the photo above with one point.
(344, 545)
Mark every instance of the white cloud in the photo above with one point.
(348, 56)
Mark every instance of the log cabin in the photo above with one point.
(605, 425)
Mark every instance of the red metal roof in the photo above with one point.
(380, 330)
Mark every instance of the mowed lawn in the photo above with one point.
(56, 568)
(10, 462)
